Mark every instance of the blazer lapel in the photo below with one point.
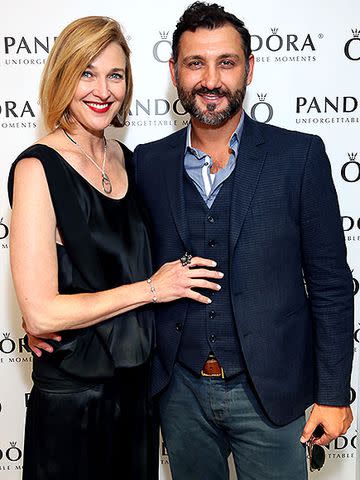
(249, 164)
(173, 173)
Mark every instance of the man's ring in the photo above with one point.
(186, 259)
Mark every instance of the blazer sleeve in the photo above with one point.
(328, 279)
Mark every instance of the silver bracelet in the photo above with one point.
(153, 291)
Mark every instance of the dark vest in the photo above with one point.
(211, 328)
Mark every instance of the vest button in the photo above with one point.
(212, 338)
(178, 327)
(210, 219)
(212, 314)
(211, 243)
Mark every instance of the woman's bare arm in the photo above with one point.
(35, 272)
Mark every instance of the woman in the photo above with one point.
(81, 266)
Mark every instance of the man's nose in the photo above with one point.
(211, 78)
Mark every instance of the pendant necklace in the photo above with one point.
(105, 180)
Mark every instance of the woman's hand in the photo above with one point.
(173, 280)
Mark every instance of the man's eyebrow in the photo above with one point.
(201, 57)
(193, 57)
(229, 55)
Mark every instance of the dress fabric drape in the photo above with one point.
(89, 414)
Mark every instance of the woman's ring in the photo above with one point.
(186, 259)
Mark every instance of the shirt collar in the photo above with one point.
(233, 143)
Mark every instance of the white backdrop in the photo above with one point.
(306, 78)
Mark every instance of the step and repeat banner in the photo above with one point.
(306, 78)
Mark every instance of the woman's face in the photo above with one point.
(101, 90)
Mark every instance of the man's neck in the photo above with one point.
(208, 139)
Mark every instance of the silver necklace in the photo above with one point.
(105, 180)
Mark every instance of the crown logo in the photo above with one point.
(352, 156)
(355, 32)
(261, 96)
(13, 444)
(164, 35)
(6, 335)
(274, 31)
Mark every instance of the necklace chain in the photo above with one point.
(105, 180)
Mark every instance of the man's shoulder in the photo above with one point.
(174, 139)
(278, 136)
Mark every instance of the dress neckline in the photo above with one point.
(84, 178)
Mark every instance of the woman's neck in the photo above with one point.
(91, 141)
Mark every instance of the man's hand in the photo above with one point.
(334, 420)
(37, 344)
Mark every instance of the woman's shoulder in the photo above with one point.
(42, 149)
(29, 171)
(34, 164)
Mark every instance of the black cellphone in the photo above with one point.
(318, 432)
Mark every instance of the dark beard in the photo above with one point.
(209, 117)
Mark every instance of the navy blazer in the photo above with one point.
(285, 227)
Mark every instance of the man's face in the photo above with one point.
(211, 75)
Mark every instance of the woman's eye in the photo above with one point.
(86, 74)
(117, 76)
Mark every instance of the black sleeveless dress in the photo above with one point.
(89, 414)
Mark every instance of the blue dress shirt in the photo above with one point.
(198, 164)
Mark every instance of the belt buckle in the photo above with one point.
(214, 375)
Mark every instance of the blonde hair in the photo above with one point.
(77, 45)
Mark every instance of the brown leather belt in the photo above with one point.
(212, 368)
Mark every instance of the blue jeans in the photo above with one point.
(204, 419)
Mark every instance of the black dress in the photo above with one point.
(89, 415)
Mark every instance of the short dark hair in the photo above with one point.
(211, 16)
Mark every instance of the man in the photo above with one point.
(236, 375)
